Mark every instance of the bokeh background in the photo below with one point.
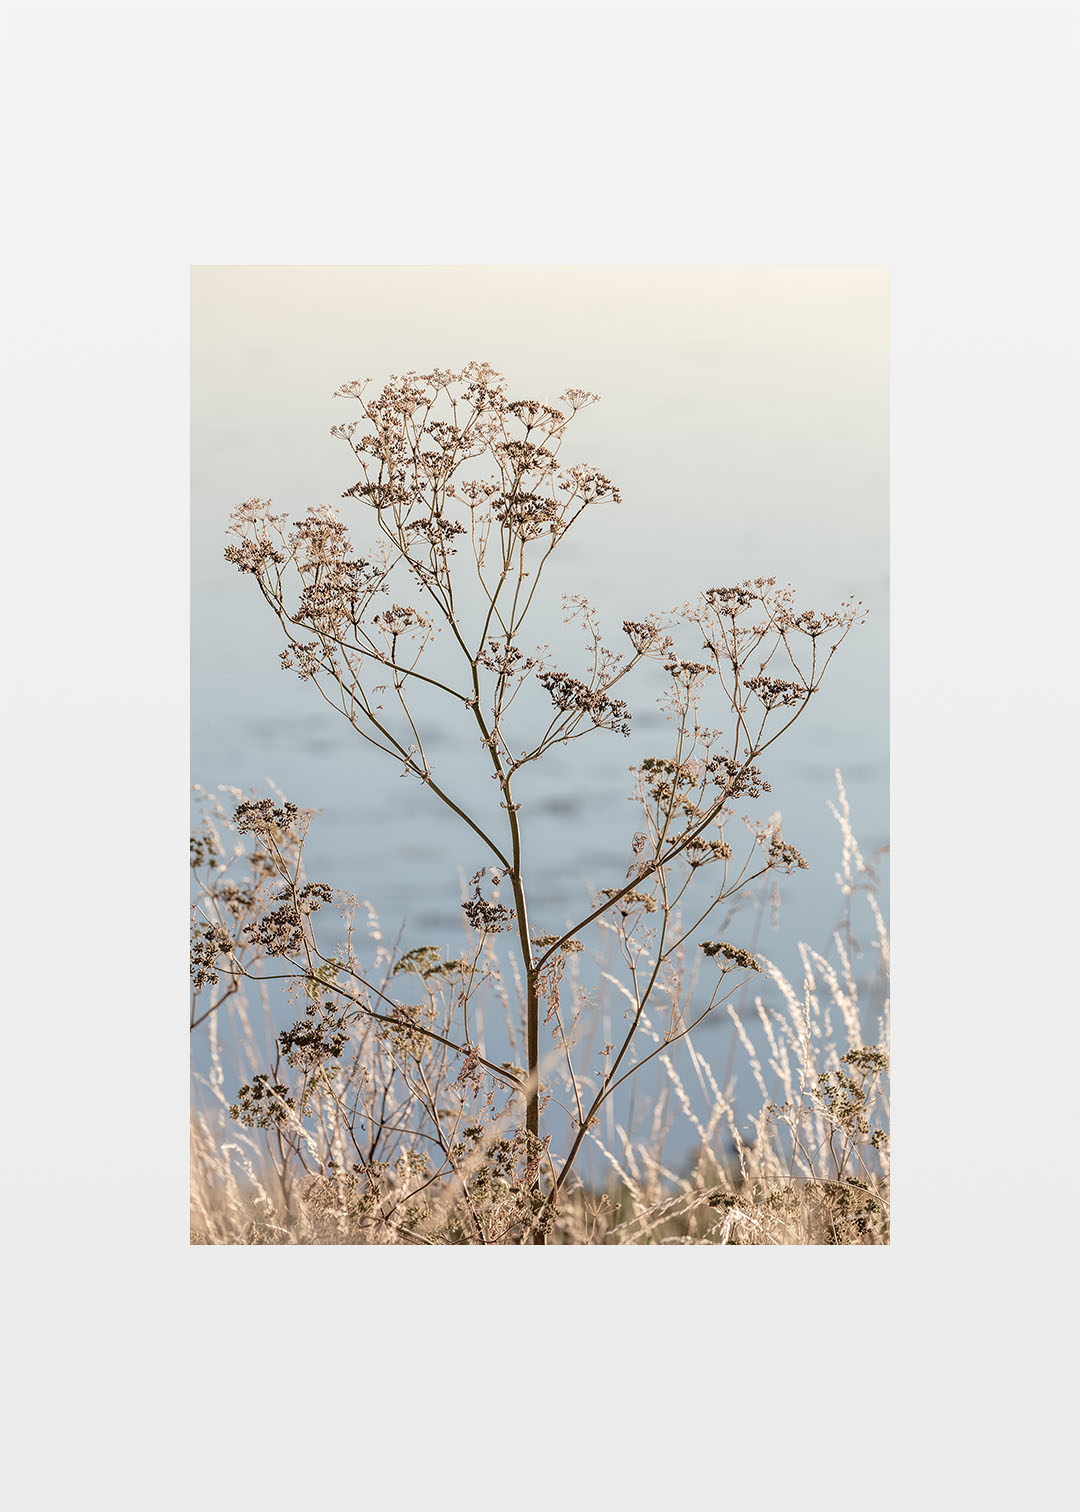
(745, 418)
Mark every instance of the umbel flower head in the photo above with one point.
(733, 953)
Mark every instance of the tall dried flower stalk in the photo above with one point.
(468, 498)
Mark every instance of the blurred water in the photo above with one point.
(745, 420)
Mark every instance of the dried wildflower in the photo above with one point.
(667, 782)
(437, 531)
(814, 625)
(687, 672)
(701, 852)
(263, 1104)
(867, 1058)
(733, 953)
(205, 849)
(378, 495)
(781, 854)
(487, 918)
(237, 899)
(571, 695)
(630, 901)
(470, 1077)
(738, 779)
(400, 619)
(546, 941)
(503, 1182)
(404, 1034)
(252, 556)
(313, 1041)
(532, 412)
(258, 816)
(645, 635)
(844, 1101)
(448, 437)
(426, 962)
(505, 659)
(521, 457)
(477, 492)
(252, 512)
(578, 398)
(311, 896)
(531, 515)
(732, 601)
(279, 933)
(208, 942)
(352, 390)
(589, 484)
(776, 692)
(419, 961)
(303, 656)
(320, 540)
(338, 595)
(485, 386)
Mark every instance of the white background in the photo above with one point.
(144, 138)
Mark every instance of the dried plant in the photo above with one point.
(385, 1118)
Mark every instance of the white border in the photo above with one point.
(929, 139)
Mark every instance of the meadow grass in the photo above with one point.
(803, 1159)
